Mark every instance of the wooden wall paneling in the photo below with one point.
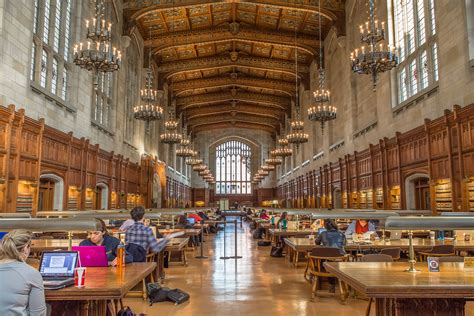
(462, 175)
(7, 115)
(17, 127)
(448, 131)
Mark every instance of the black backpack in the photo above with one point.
(156, 294)
(177, 296)
(125, 311)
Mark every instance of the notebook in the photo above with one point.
(92, 256)
(57, 268)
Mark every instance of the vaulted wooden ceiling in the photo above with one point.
(232, 62)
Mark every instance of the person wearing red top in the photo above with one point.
(264, 215)
(196, 217)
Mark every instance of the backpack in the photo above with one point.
(276, 251)
(264, 243)
(156, 293)
(125, 311)
(257, 234)
(177, 296)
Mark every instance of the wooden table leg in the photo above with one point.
(296, 254)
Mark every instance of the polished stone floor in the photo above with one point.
(257, 284)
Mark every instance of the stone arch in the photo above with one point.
(58, 190)
(410, 189)
(104, 195)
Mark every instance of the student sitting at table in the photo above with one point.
(197, 218)
(333, 238)
(183, 223)
(283, 221)
(21, 284)
(318, 226)
(139, 239)
(264, 215)
(102, 238)
(359, 227)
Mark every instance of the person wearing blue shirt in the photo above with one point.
(359, 227)
(102, 238)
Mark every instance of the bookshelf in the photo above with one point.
(113, 200)
(25, 197)
(73, 198)
(89, 199)
(379, 198)
(470, 194)
(395, 197)
(344, 199)
(354, 199)
(363, 199)
(443, 195)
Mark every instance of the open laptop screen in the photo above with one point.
(58, 263)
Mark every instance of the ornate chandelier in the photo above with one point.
(171, 135)
(98, 54)
(321, 111)
(377, 57)
(148, 110)
(282, 150)
(297, 135)
(200, 167)
(274, 161)
(266, 167)
(262, 172)
(192, 161)
(185, 150)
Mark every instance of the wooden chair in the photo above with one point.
(437, 251)
(393, 252)
(316, 258)
(136, 292)
(375, 258)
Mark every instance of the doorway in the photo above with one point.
(51, 193)
(337, 199)
(101, 196)
(417, 192)
(46, 195)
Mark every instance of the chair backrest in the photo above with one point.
(393, 252)
(377, 258)
(451, 259)
(326, 252)
(442, 249)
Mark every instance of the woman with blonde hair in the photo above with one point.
(21, 285)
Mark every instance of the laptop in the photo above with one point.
(395, 234)
(191, 220)
(57, 268)
(92, 256)
(292, 225)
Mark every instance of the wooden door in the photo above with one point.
(422, 194)
(46, 195)
(98, 198)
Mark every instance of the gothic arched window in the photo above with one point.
(233, 168)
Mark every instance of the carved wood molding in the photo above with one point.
(233, 124)
(217, 82)
(144, 7)
(240, 108)
(186, 102)
(223, 34)
(174, 68)
(233, 115)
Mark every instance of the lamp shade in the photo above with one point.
(354, 215)
(50, 224)
(430, 222)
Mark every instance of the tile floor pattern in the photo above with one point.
(257, 284)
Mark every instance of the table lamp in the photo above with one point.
(411, 223)
(68, 225)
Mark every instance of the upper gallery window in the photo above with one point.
(233, 168)
(51, 42)
(416, 39)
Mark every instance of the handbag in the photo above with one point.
(177, 296)
(126, 311)
(276, 251)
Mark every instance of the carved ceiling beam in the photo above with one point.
(231, 32)
(244, 117)
(232, 124)
(230, 111)
(276, 101)
(185, 86)
(144, 7)
(267, 64)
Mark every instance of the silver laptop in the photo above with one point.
(395, 234)
(57, 268)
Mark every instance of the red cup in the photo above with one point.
(79, 276)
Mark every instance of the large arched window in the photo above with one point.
(233, 168)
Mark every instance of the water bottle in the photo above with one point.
(120, 256)
(284, 224)
(273, 220)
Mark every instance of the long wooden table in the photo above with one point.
(303, 245)
(401, 293)
(104, 287)
(276, 233)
